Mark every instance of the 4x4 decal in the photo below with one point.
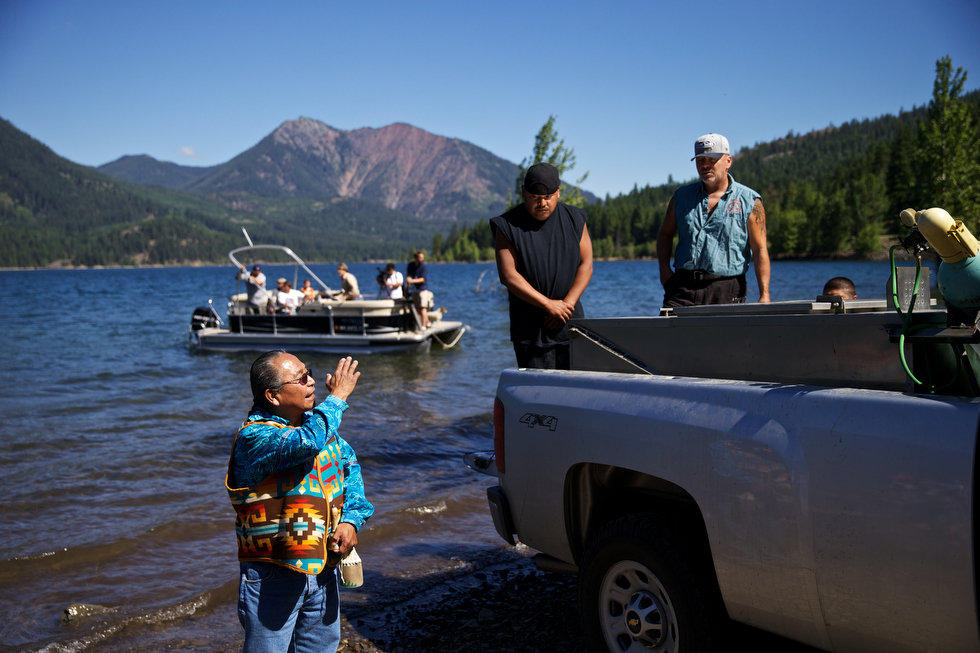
(533, 419)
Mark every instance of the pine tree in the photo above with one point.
(946, 153)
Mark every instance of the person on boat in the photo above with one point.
(298, 495)
(287, 299)
(720, 226)
(348, 284)
(416, 274)
(309, 292)
(393, 282)
(258, 296)
(544, 258)
(840, 287)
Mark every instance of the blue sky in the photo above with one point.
(632, 83)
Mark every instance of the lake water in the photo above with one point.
(116, 437)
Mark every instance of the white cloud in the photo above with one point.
(188, 152)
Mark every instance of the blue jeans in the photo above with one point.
(285, 610)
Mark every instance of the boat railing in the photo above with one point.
(358, 317)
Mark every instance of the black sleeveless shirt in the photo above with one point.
(548, 256)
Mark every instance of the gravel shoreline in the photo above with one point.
(513, 607)
(503, 605)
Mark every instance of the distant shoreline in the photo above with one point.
(900, 254)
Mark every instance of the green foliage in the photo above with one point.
(54, 212)
(946, 158)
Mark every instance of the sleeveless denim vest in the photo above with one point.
(717, 242)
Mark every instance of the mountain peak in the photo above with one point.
(399, 167)
(304, 133)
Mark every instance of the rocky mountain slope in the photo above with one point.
(400, 167)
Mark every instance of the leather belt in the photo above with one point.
(701, 275)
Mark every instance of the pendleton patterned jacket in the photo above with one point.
(291, 485)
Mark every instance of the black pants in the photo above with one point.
(555, 357)
(683, 289)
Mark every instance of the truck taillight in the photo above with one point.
(498, 434)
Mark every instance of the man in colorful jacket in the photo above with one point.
(297, 491)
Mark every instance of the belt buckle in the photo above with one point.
(699, 275)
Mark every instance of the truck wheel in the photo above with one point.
(638, 591)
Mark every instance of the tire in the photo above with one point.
(641, 588)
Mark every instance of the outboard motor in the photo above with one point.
(204, 318)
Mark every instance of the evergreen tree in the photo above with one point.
(946, 157)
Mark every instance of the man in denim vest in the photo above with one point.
(720, 226)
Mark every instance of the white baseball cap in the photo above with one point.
(713, 145)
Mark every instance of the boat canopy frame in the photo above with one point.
(297, 261)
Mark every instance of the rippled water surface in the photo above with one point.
(116, 437)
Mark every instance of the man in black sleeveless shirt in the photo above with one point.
(544, 258)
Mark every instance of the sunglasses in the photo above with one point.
(306, 377)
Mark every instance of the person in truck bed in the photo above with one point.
(840, 287)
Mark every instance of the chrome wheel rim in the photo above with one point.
(635, 611)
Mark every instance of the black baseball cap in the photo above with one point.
(541, 179)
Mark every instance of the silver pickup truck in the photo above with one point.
(807, 468)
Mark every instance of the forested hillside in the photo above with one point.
(834, 192)
(57, 213)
